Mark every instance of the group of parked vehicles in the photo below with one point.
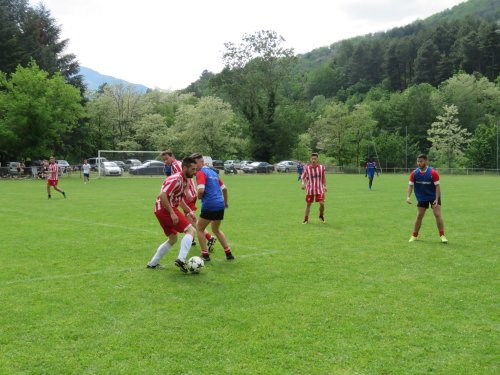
(155, 167)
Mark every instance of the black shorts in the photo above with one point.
(212, 215)
(426, 204)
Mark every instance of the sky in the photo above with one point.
(167, 44)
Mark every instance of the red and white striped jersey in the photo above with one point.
(53, 172)
(175, 188)
(191, 192)
(314, 177)
(176, 167)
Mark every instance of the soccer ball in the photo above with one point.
(195, 264)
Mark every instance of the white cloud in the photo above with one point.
(168, 44)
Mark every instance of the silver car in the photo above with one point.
(286, 166)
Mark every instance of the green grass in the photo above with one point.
(351, 296)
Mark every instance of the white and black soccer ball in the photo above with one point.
(195, 264)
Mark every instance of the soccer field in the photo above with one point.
(351, 296)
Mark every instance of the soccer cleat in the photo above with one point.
(444, 239)
(322, 219)
(64, 194)
(229, 256)
(305, 222)
(155, 267)
(179, 263)
(205, 257)
(193, 243)
(210, 243)
(412, 239)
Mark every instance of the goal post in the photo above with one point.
(126, 159)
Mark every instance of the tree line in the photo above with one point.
(349, 102)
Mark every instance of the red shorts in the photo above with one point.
(192, 205)
(315, 198)
(52, 182)
(168, 226)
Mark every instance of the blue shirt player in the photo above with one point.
(425, 181)
(214, 200)
(300, 169)
(370, 170)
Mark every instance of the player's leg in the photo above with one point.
(201, 229)
(56, 188)
(309, 199)
(186, 242)
(436, 209)
(162, 250)
(418, 222)
(370, 181)
(322, 211)
(48, 190)
(222, 238)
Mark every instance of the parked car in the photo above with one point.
(151, 167)
(230, 169)
(94, 162)
(109, 168)
(120, 163)
(286, 166)
(131, 163)
(232, 163)
(13, 167)
(63, 166)
(218, 164)
(259, 167)
(244, 163)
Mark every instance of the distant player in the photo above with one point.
(171, 219)
(86, 172)
(300, 170)
(170, 160)
(370, 170)
(425, 179)
(314, 182)
(214, 200)
(53, 177)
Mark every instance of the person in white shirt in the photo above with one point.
(86, 171)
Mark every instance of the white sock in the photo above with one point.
(185, 246)
(162, 250)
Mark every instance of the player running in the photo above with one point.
(86, 172)
(214, 200)
(53, 178)
(370, 170)
(171, 219)
(314, 182)
(428, 192)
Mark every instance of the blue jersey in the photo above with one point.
(212, 199)
(300, 168)
(371, 167)
(425, 184)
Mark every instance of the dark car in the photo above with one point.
(258, 167)
(151, 167)
(218, 164)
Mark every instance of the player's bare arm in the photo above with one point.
(165, 203)
(438, 195)
(408, 194)
(201, 191)
(225, 195)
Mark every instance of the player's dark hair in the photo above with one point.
(167, 152)
(196, 156)
(314, 154)
(186, 162)
(422, 156)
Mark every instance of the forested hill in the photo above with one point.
(462, 38)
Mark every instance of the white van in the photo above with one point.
(208, 161)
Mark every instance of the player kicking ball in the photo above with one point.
(214, 200)
(425, 179)
(171, 219)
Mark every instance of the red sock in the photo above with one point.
(208, 236)
(227, 250)
(415, 234)
(306, 218)
(204, 251)
(441, 233)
